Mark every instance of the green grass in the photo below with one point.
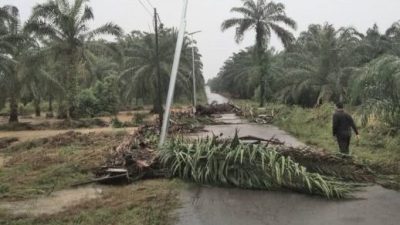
(49, 166)
(314, 127)
(38, 167)
(145, 203)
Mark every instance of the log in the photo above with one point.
(273, 140)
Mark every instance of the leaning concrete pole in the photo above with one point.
(174, 73)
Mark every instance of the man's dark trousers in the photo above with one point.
(344, 143)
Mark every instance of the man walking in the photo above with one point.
(342, 125)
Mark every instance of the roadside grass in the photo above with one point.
(37, 168)
(314, 127)
(145, 203)
(41, 166)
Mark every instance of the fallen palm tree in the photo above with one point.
(218, 162)
(230, 163)
(337, 165)
(208, 110)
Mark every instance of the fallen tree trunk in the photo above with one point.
(212, 109)
(138, 156)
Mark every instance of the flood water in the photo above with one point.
(224, 206)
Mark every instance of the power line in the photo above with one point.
(145, 8)
(151, 5)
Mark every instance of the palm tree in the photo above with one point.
(264, 18)
(66, 32)
(320, 64)
(16, 48)
(378, 88)
(374, 44)
(237, 75)
(140, 63)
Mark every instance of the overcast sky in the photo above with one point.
(207, 15)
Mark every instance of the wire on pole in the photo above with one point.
(145, 8)
(151, 5)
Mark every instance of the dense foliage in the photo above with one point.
(56, 57)
(264, 18)
(324, 64)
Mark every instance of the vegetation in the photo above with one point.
(229, 163)
(145, 203)
(265, 18)
(377, 148)
(54, 56)
(38, 168)
(323, 64)
(326, 65)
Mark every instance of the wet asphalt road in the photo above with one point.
(218, 206)
(223, 206)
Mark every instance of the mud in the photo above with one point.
(55, 203)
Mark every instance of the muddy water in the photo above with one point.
(55, 203)
(222, 206)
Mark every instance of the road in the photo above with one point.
(222, 206)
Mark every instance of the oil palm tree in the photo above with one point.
(264, 18)
(321, 64)
(378, 88)
(64, 27)
(16, 48)
(140, 63)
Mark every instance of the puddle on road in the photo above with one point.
(55, 203)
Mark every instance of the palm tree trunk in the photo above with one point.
(260, 52)
(72, 86)
(37, 107)
(51, 104)
(262, 88)
(13, 109)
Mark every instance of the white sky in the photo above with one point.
(207, 15)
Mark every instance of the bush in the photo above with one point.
(102, 99)
(88, 105)
(107, 95)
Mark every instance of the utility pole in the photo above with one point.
(194, 71)
(174, 73)
(159, 87)
(194, 80)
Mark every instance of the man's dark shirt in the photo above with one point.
(342, 124)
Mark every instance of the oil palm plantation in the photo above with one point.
(16, 51)
(264, 18)
(378, 88)
(320, 65)
(65, 30)
(237, 76)
(140, 74)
